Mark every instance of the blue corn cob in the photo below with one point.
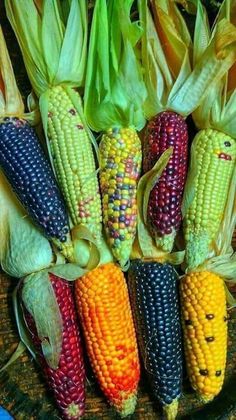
(154, 300)
(25, 165)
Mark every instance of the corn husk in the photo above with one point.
(218, 111)
(11, 103)
(20, 239)
(179, 74)
(114, 89)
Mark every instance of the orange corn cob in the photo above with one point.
(106, 318)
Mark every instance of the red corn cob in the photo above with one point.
(67, 381)
(167, 129)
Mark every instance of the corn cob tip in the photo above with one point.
(74, 411)
(197, 248)
(66, 248)
(122, 253)
(171, 410)
(166, 242)
(128, 406)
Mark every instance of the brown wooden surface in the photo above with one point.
(22, 387)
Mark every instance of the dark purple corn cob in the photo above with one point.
(167, 129)
(25, 165)
(155, 304)
(67, 381)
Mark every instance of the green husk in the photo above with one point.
(144, 246)
(53, 53)
(114, 88)
(178, 81)
(17, 353)
(20, 239)
(40, 301)
(10, 100)
(218, 110)
(11, 103)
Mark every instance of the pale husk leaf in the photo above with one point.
(54, 52)
(39, 299)
(10, 100)
(20, 239)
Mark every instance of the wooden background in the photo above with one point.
(22, 387)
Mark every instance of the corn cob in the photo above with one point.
(167, 129)
(120, 153)
(154, 298)
(105, 315)
(67, 381)
(214, 166)
(204, 321)
(73, 160)
(25, 165)
(57, 86)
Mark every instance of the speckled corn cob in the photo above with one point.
(73, 160)
(204, 320)
(105, 315)
(214, 159)
(67, 382)
(120, 152)
(167, 129)
(155, 303)
(27, 169)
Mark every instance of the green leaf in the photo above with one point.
(40, 301)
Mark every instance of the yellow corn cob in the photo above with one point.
(204, 320)
(214, 160)
(73, 161)
(120, 152)
(105, 314)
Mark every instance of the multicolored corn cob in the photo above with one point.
(204, 321)
(120, 160)
(105, 315)
(73, 160)
(213, 161)
(153, 291)
(67, 381)
(25, 165)
(167, 129)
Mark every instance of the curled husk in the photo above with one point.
(179, 74)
